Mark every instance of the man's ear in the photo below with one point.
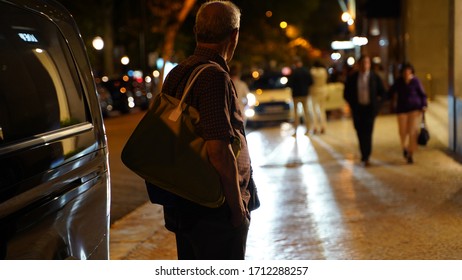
(235, 35)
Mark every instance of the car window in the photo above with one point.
(37, 81)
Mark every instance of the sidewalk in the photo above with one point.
(141, 235)
(336, 209)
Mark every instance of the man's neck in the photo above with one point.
(219, 48)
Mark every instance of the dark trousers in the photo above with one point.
(206, 234)
(363, 120)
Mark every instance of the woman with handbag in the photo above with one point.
(409, 97)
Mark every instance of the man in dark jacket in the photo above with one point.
(300, 82)
(363, 91)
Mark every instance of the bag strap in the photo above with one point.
(192, 78)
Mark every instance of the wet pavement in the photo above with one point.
(319, 203)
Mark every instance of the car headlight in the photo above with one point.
(251, 99)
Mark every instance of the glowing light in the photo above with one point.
(26, 37)
(284, 80)
(38, 50)
(255, 75)
(251, 99)
(351, 61)
(105, 79)
(286, 71)
(98, 43)
(346, 17)
(250, 113)
(131, 102)
(360, 41)
(335, 56)
(377, 59)
(342, 45)
(269, 14)
(156, 74)
(283, 25)
(125, 60)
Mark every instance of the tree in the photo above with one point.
(170, 16)
(165, 27)
(262, 41)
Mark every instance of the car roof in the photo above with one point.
(54, 10)
(268, 81)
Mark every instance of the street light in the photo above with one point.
(98, 43)
(125, 60)
(346, 16)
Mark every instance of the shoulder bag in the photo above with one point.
(166, 151)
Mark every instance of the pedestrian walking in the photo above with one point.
(201, 232)
(300, 81)
(410, 102)
(317, 96)
(363, 92)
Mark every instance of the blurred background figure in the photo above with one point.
(379, 70)
(411, 101)
(300, 82)
(242, 88)
(317, 96)
(363, 92)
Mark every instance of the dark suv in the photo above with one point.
(54, 173)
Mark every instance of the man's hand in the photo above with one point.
(221, 156)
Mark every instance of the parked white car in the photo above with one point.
(270, 99)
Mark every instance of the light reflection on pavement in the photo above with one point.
(289, 177)
(317, 202)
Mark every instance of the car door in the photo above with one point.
(54, 175)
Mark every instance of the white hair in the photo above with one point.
(216, 20)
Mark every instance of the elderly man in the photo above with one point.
(201, 232)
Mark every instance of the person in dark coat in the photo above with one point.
(300, 82)
(363, 92)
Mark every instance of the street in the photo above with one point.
(128, 190)
(319, 203)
